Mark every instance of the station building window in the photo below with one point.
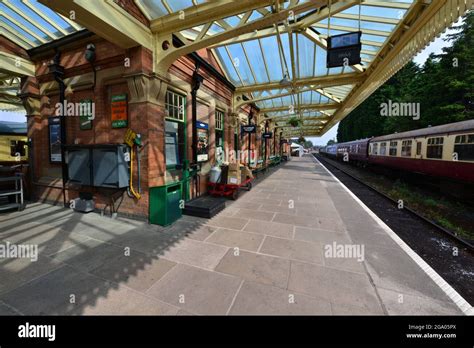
(393, 148)
(175, 127)
(219, 129)
(464, 147)
(406, 148)
(383, 149)
(435, 147)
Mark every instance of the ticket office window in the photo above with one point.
(175, 128)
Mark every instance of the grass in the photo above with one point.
(444, 212)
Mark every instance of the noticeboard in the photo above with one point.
(54, 126)
(118, 108)
(203, 141)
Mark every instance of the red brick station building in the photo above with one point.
(131, 89)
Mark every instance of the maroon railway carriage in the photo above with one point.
(357, 150)
(442, 151)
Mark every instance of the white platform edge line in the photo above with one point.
(463, 305)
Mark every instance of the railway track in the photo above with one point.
(451, 256)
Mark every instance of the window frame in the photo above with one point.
(182, 124)
(437, 142)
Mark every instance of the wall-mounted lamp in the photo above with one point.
(90, 53)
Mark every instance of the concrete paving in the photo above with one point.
(266, 253)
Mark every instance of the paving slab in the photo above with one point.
(196, 290)
(333, 285)
(233, 238)
(260, 299)
(270, 228)
(196, 253)
(293, 249)
(254, 267)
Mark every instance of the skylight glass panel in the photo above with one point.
(270, 52)
(228, 65)
(306, 56)
(177, 5)
(240, 63)
(154, 8)
(254, 54)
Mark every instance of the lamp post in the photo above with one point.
(58, 73)
(250, 137)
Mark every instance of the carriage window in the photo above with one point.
(393, 148)
(418, 148)
(383, 149)
(375, 149)
(464, 147)
(406, 148)
(435, 148)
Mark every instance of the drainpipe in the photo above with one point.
(197, 80)
(250, 136)
(58, 73)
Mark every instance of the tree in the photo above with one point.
(443, 88)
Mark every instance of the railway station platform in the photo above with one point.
(298, 243)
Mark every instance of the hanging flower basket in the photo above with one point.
(294, 121)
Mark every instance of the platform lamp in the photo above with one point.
(57, 70)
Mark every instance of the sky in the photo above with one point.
(435, 47)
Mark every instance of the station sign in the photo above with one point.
(249, 128)
(118, 108)
(344, 50)
(267, 135)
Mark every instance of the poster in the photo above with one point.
(118, 108)
(54, 139)
(203, 141)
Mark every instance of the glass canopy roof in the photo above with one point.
(30, 24)
(273, 51)
(286, 52)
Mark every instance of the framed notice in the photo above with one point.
(54, 127)
(118, 108)
(86, 116)
(203, 141)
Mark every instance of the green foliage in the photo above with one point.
(308, 144)
(330, 142)
(294, 121)
(443, 86)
